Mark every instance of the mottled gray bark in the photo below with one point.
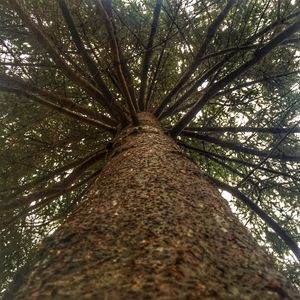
(152, 227)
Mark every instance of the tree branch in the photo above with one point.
(217, 66)
(58, 99)
(153, 81)
(116, 54)
(257, 56)
(196, 61)
(38, 206)
(240, 148)
(175, 108)
(272, 130)
(114, 108)
(234, 160)
(148, 54)
(60, 109)
(284, 235)
(245, 48)
(57, 188)
(278, 143)
(194, 88)
(221, 162)
(60, 63)
(50, 175)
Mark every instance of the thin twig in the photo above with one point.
(246, 178)
(272, 130)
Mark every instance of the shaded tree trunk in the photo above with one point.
(152, 227)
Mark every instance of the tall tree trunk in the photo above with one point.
(152, 227)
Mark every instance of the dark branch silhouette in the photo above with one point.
(284, 235)
(57, 188)
(148, 54)
(61, 109)
(60, 63)
(237, 161)
(257, 56)
(185, 77)
(64, 102)
(272, 130)
(106, 13)
(239, 148)
(114, 108)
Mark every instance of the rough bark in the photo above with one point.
(152, 227)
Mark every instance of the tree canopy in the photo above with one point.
(221, 76)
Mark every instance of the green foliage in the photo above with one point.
(36, 142)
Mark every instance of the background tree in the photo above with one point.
(222, 77)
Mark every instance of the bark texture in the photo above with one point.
(152, 227)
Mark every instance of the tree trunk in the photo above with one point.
(152, 227)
